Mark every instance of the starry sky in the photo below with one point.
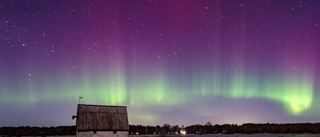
(180, 62)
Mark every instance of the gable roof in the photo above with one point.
(102, 118)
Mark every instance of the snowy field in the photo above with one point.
(236, 135)
(220, 135)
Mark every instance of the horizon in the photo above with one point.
(212, 124)
(179, 62)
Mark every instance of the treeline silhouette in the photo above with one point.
(208, 128)
(37, 131)
(251, 128)
(248, 128)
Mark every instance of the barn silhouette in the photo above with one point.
(101, 121)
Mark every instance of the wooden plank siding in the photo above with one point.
(102, 118)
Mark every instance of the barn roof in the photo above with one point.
(102, 118)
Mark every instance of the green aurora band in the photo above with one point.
(295, 93)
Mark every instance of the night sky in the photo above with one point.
(180, 62)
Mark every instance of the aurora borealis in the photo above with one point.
(170, 61)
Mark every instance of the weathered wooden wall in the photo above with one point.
(104, 134)
(102, 118)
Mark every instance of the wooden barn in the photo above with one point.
(102, 121)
